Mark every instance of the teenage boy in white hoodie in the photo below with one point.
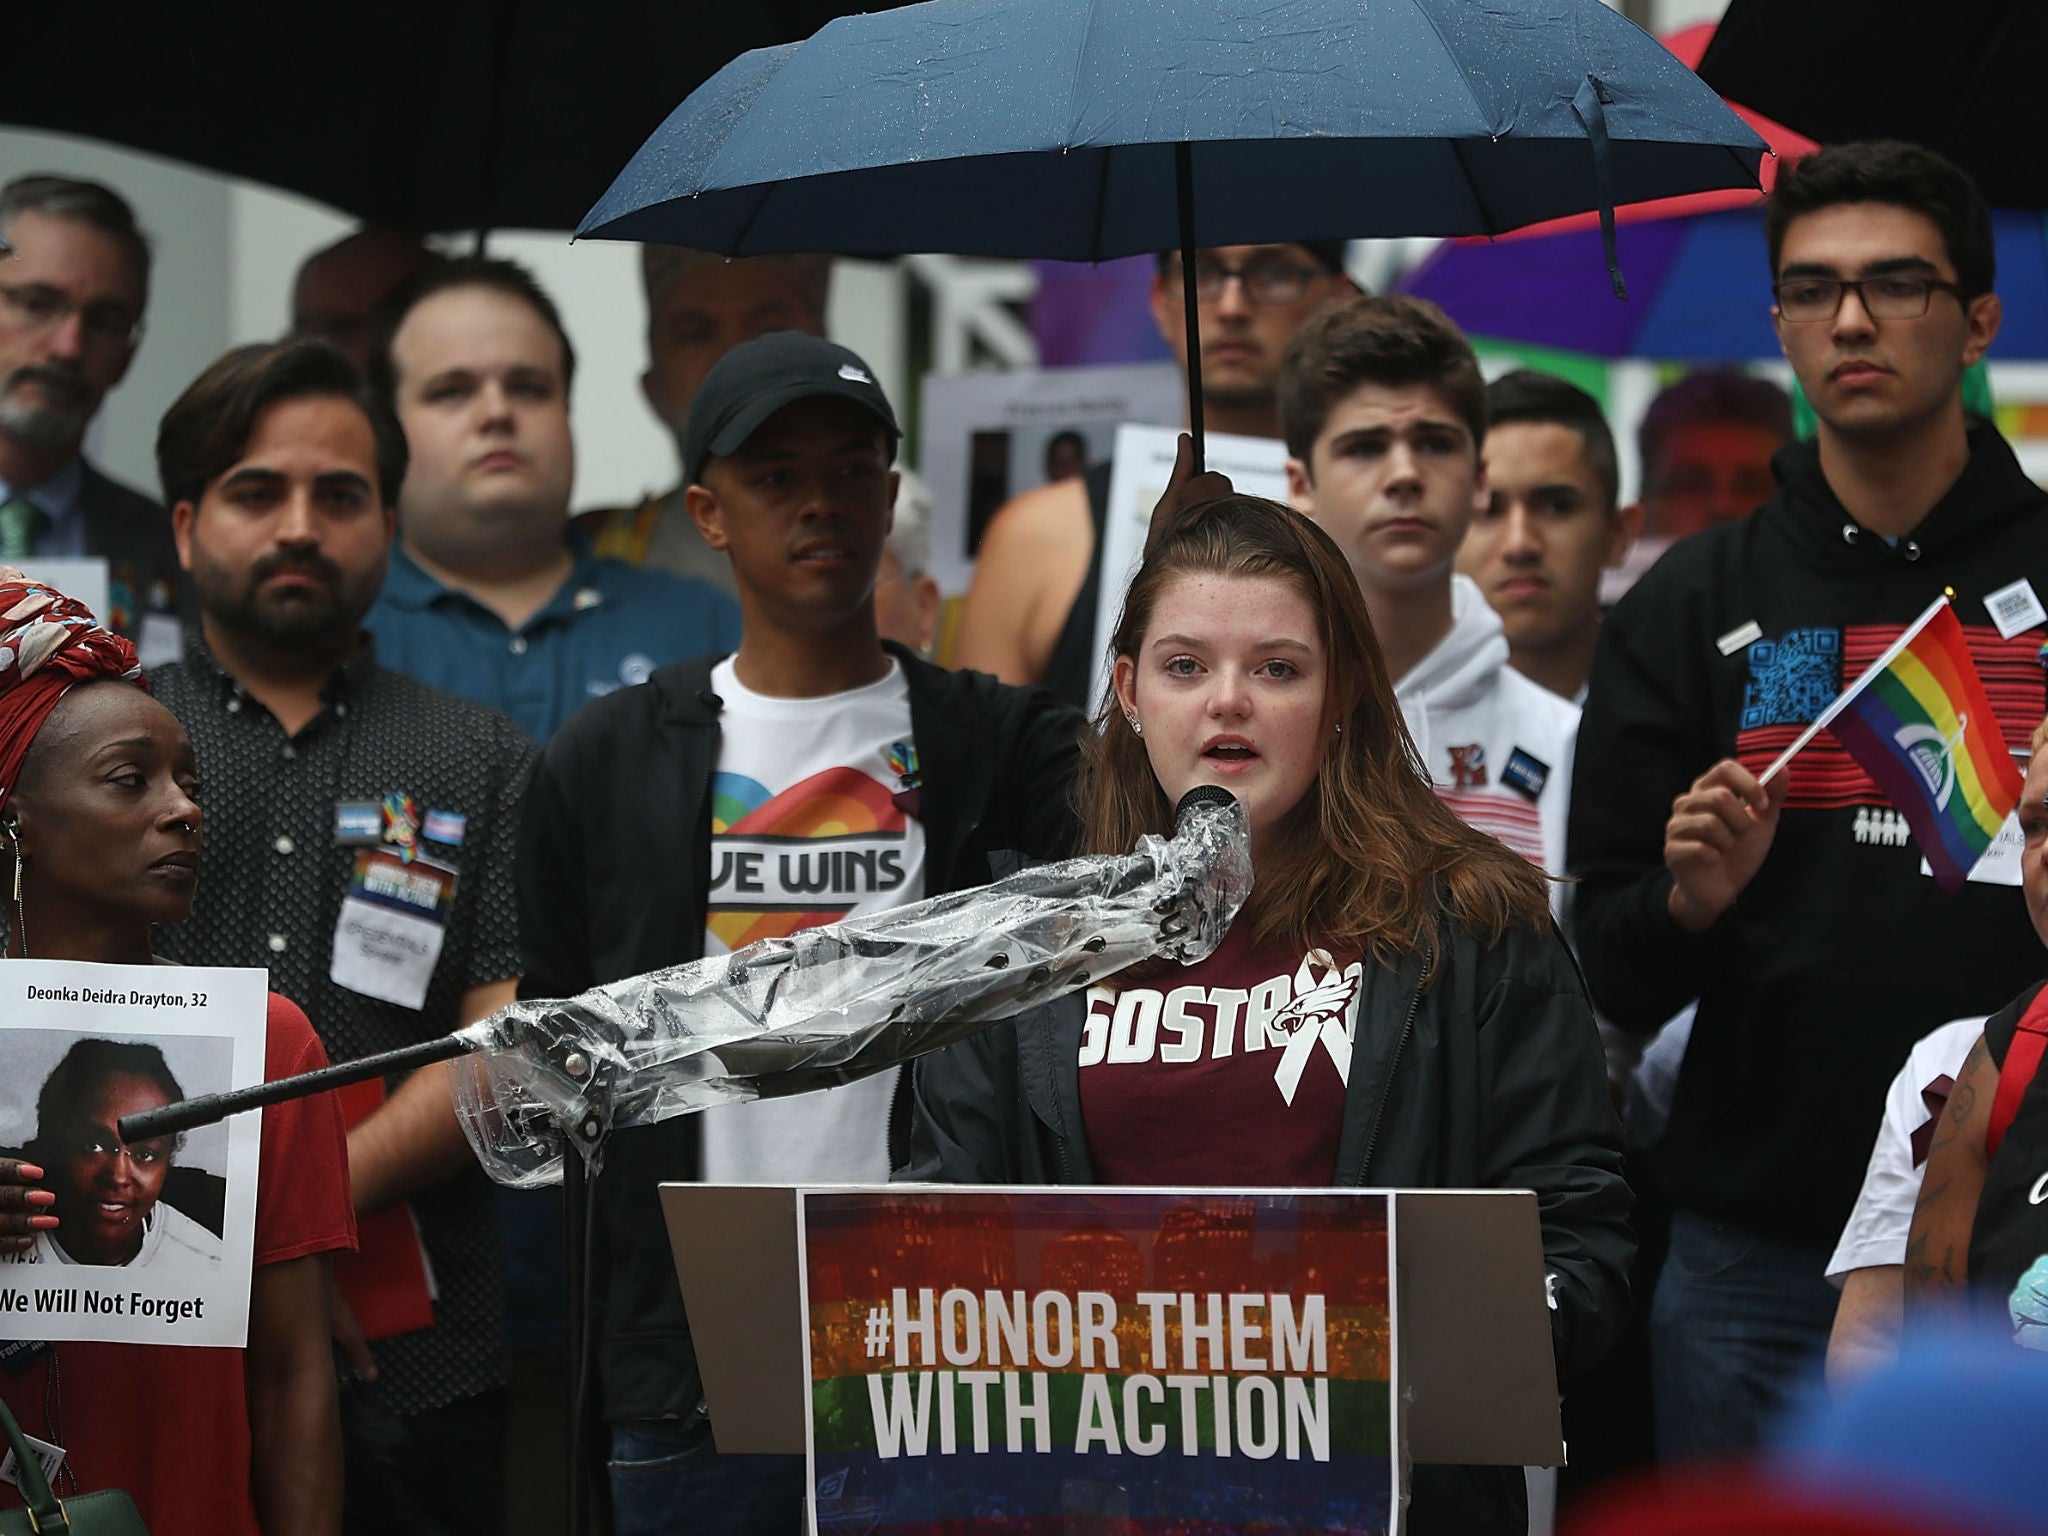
(1383, 408)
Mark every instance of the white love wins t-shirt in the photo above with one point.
(813, 819)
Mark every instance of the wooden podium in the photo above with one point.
(1471, 1326)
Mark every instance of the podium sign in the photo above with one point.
(783, 1285)
(1020, 1356)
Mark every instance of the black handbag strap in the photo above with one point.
(45, 1511)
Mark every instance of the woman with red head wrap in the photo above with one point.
(48, 645)
(62, 832)
(100, 832)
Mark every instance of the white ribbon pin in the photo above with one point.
(1325, 1008)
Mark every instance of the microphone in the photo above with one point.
(1212, 796)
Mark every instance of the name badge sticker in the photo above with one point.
(394, 919)
(2014, 608)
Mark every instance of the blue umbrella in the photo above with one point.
(1086, 129)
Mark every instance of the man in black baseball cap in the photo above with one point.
(753, 382)
(817, 773)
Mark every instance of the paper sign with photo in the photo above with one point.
(155, 1239)
(990, 436)
(1257, 466)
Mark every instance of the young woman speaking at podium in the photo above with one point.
(100, 835)
(1423, 1023)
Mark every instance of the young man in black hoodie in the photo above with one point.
(1798, 913)
(818, 772)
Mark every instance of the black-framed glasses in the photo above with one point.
(39, 306)
(1895, 296)
(1267, 280)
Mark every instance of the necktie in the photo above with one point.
(20, 521)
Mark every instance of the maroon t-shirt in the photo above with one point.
(1230, 1072)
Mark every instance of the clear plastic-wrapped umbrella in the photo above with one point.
(830, 1004)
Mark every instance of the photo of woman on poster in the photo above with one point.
(110, 1208)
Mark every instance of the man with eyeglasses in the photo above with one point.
(71, 303)
(1817, 947)
(1029, 616)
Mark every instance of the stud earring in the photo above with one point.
(1137, 725)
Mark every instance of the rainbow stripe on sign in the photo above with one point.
(1920, 724)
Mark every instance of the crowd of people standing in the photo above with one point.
(1520, 842)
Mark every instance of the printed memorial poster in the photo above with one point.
(155, 1238)
(988, 437)
(1136, 1361)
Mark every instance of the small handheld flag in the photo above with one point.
(1919, 723)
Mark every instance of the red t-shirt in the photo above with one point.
(1228, 1072)
(170, 1425)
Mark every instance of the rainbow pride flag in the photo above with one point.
(1919, 723)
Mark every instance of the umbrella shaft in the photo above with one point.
(213, 1107)
(1184, 186)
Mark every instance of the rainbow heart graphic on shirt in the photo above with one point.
(806, 856)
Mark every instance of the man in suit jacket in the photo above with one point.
(71, 304)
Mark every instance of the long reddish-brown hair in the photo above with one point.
(1370, 860)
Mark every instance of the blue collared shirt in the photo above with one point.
(608, 626)
(63, 537)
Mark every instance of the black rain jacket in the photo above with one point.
(1840, 954)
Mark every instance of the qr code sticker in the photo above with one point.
(1793, 678)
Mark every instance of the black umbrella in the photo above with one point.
(423, 114)
(1962, 78)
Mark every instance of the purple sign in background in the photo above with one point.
(1096, 314)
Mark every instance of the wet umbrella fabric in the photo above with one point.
(1697, 265)
(1050, 128)
(1081, 130)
